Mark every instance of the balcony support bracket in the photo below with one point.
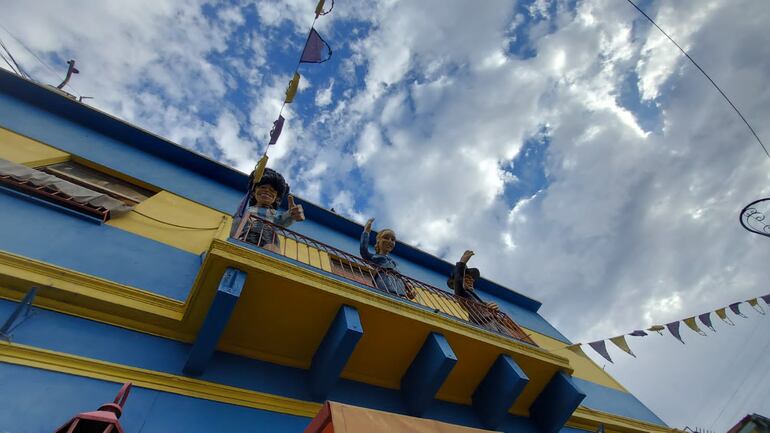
(334, 351)
(554, 406)
(427, 373)
(499, 389)
(228, 292)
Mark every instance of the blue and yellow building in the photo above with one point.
(218, 335)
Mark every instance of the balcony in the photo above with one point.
(275, 295)
(290, 244)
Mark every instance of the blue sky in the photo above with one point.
(566, 142)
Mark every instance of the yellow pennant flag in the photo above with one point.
(576, 349)
(755, 305)
(292, 90)
(620, 341)
(259, 169)
(657, 328)
(690, 322)
(319, 9)
(723, 315)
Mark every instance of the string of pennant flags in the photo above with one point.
(600, 346)
(316, 50)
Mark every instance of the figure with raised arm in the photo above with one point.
(265, 196)
(462, 280)
(387, 277)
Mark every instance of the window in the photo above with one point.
(350, 271)
(73, 186)
(97, 181)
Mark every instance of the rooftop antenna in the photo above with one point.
(71, 70)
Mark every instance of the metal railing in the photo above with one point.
(280, 240)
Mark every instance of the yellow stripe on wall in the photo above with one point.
(23, 150)
(205, 224)
(59, 362)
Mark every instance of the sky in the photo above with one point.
(569, 144)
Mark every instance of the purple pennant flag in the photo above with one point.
(766, 298)
(314, 49)
(705, 318)
(638, 333)
(276, 131)
(735, 307)
(673, 328)
(601, 348)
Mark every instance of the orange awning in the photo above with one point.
(343, 418)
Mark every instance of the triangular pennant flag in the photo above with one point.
(638, 333)
(314, 49)
(690, 322)
(575, 348)
(705, 318)
(601, 348)
(735, 307)
(291, 91)
(656, 328)
(766, 298)
(723, 315)
(755, 305)
(276, 131)
(673, 328)
(620, 341)
(259, 169)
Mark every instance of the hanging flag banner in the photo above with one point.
(735, 307)
(705, 318)
(601, 348)
(673, 328)
(766, 298)
(259, 169)
(755, 305)
(638, 333)
(620, 341)
(723, 315)
(656, 328)
(690, 322)
(291, 91)
(314, 49)
(276, 131)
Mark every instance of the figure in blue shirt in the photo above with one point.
(386, 277)
(264, 199)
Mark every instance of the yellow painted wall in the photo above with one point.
(584, 367)
(31, 153)
(165, 206)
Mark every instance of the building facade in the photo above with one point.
(139, 276)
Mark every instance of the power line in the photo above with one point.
(706, 75)
(15, 66)
(26, 48)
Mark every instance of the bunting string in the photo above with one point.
(313, 52)
(673, 328)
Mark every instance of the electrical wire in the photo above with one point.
(705, 75)
(18, 68)
(50, 69)
(7, 62)
(175, 225)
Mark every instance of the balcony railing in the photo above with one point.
(280, 240)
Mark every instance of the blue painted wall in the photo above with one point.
(38, 401)
(39, 232)
(97, 137)
(82, 337)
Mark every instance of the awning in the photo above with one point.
(343, 418)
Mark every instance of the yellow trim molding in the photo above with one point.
(79, 366)
(29, 356)
(83, 295)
